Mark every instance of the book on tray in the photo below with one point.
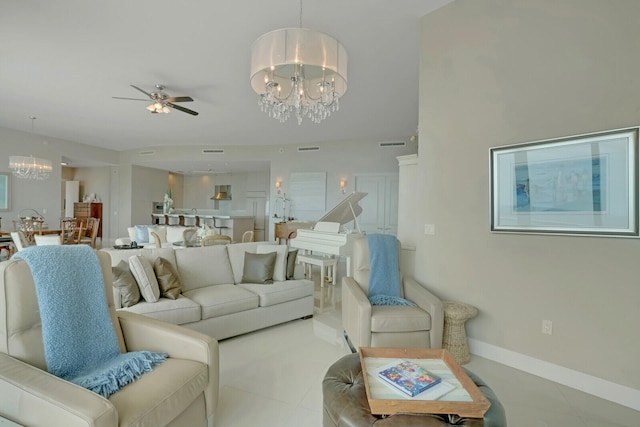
(408, 377)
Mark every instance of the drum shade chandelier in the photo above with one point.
(298, 71)
(30, 167)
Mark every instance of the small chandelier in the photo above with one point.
(30, 167)
(298, 71)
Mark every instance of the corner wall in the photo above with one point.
(497, 73)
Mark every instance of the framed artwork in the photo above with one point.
(5, 191)
(578, 185)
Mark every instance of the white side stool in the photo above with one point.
(324, 263)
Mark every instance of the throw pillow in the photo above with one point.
(291, 264)
(142, 233)
(280, 267)
(168, 280)
(126, 283)
(142, 270)
(258, 268)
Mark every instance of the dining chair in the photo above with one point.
(47, 239)
(30, 227)
(156, 239)
(247, 236)
(19, 241)
(88, 236)
(70, 230)
(215, 239)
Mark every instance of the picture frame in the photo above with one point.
(5, 191)
(577, 185)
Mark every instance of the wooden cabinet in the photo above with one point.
(83, 211)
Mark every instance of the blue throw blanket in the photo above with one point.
(80, 343)
(384, 277)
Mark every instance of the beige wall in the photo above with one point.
(497, 72)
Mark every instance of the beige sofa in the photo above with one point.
(213, 300)
(182, 391)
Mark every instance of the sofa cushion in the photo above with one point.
(222, 299)
(174, 233)
(200, 267)
(168, 279)
(280, 266)
(258, 268)
(126, 283)
(160, 396)
(178, 311)
(142, 270)
(280, 292)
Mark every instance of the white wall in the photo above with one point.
(496, 73)
(44, 196)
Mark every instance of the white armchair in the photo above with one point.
(182, 391)
(388, 326)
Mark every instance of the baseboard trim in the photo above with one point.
(595, 386)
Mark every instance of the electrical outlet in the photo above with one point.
(547, 327)
(430, 229)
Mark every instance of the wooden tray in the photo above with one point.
(474, 408)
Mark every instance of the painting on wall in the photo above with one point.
(5, 191)
(581, 185)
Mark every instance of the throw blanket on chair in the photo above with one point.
(384, 277)
(80, 343)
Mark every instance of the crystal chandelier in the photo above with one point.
(30, 167)
(298, 71)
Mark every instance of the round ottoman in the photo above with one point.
(345, 403)
(454, 336)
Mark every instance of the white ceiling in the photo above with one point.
(63, 61)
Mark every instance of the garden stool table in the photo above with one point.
(454, 336)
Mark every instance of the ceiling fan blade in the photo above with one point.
(143, 91)
(130, 99)
(180, 99)
(184, 110)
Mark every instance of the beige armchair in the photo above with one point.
(182, 391)
(388, 326)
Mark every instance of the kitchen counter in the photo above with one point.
(230, 225)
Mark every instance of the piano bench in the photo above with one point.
(323, 262)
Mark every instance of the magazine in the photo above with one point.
(408, 377)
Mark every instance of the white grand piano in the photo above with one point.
(327, 237)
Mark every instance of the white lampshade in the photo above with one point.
(311, 62)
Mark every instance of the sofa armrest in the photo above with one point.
(430, 303)
(144, 333)
(33, 397)
(356, 313)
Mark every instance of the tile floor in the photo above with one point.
(272, 378)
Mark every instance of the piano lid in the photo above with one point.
(343, 213)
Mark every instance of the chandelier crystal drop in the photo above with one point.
(297, 71)
(30, 167)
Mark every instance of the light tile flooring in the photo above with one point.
(273, 377)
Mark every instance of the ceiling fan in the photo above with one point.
(160, 101)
